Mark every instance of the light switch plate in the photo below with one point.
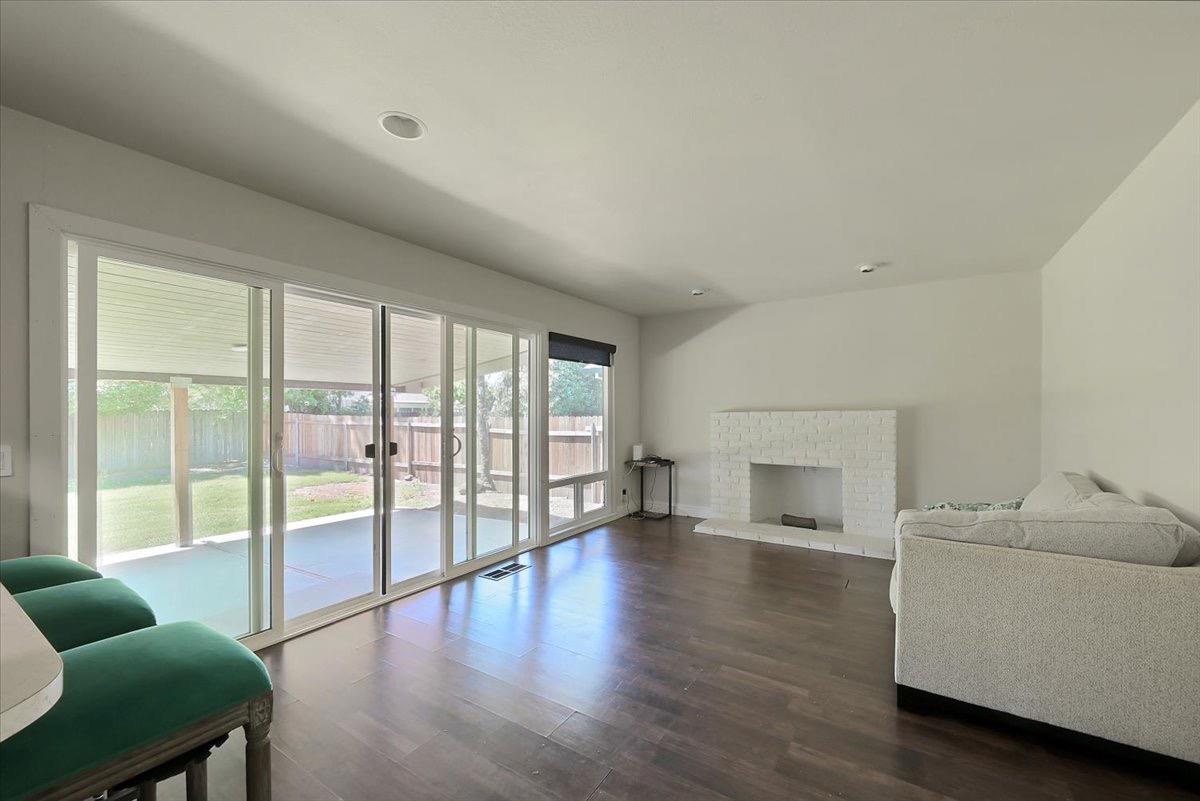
(5, 460)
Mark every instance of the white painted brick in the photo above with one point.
(861, 443)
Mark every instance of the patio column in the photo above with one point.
(181, 445)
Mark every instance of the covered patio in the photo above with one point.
(326, 561)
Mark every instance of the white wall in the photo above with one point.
(959, 360)
(1121, 335)
(47, 164)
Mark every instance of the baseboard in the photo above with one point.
(681, 509)
(1180, 771)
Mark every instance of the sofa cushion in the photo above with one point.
(81, 612)
(35, 572)
(127, 692)
(1123, 533)
(1059, 491)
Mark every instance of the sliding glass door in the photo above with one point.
(490, 441)
(169, 411)
(264, 457)
(413, 489)
(331, 422)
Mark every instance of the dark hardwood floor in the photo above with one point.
(639, 661)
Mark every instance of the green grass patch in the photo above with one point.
(137, 510)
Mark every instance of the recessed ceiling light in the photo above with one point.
(697, 292)
(866, 268)
(401, 125)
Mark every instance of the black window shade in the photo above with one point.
(577, 349)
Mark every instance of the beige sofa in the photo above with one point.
(1100, 646)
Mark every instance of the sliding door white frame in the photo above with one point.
(377, 468)
(535, 500)
(87, 305)
(49, 230)
(391, 585)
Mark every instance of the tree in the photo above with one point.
(131, 397)
(576, 389)
(327, 401)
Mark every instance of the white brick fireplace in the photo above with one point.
(861, 444)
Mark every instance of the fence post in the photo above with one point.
(412, 449)
(181, 442)
(596, 461)
(594, 450)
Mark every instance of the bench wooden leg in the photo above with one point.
(258, 750)
(197, 780)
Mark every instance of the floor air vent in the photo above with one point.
(506, 570)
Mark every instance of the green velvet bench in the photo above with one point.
(81, 612)
(137, 702)
(38, 572)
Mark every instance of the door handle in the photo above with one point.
(369, 449)
(457, 446)
(277, 454)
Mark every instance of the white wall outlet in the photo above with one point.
(5, 460)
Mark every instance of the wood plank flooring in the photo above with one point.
(638, 661)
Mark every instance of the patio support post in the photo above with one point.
(181, 443)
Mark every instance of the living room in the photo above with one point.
(600, 400)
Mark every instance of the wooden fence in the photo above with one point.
(141, 442)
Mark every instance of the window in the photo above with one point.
(578, 431)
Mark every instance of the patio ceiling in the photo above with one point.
(153, 324)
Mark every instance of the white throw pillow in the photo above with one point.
(1059, 491)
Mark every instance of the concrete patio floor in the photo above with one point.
(326, 561)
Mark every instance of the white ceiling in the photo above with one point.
(626, 152)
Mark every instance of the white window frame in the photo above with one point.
(581, 521)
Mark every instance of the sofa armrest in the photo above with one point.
(1106, 648)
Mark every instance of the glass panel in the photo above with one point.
(562, 506)
(329, 419)
(173, 447)
(459, 445)
(593, 497)
(416, 387)
(576, 394)
(493, 439)
(523, 437)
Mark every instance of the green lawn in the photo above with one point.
(136, 511)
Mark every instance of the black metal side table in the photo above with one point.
(641, 465)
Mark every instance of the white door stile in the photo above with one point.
(254, 476)
(278, 522)
(470, 441)
(86, 486)
(514, 444)
(386, 497)
(447, 473)
(379, 468)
